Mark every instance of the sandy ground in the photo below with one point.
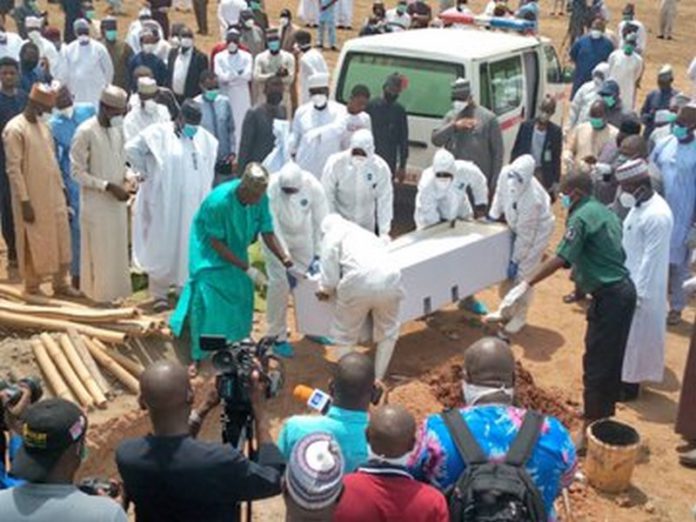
(550, 347)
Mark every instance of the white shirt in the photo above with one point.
(181, 66)
(11, 46)
(394, 18)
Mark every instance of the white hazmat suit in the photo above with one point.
(359, 188)
(355, 267)
(586, 95)
(445, 199)
(526, 206)
(297, 219)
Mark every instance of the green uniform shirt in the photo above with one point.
(592, 244)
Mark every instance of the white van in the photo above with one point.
(509, 74)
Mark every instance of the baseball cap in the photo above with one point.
(50, 427)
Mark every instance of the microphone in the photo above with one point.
(314, 398)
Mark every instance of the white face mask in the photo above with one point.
(232, 47)
(83, 39)
(401, 461)
(627, 199)
(358, 161)
(595, 34)
(116, 121)
(186, 43)
(150, 106)
(34, 35)
(319, 100)
(67, 112)
(443, 184)
(249, 23)
(284, 21)
(474, 393)
(459, 105)
(148, 48)
(45, 117)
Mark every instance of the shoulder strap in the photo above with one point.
(526, 439)
(463, 439)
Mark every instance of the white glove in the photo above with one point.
(514, 295)
(258, 277)
(386, 239)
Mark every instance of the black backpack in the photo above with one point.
(495, 491)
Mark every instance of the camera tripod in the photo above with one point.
(238, 430)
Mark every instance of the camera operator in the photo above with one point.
(169, 475)
(53, 447)
(11, 411)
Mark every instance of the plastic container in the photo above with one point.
(612, 449)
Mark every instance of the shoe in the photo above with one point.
(320, 339)
(160, 305)
(661, 37)
(283, 349)
(573, 297)
(629, 392)
(334, 48)
(673, 318)
(688, 459)
(473, 305)
(67, 291)
(319, 46)
(514, 325)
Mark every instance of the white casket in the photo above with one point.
(439, 266)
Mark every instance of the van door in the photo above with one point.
(552, 79)
(502, 90)
(531, 82)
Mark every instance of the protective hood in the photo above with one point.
(601, 68)
(363, 139)
(519, 174)
(290, 176)
(444, 161)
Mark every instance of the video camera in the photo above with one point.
(13, 393)
(235, 363)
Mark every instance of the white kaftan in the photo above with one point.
(234, 72)
(86, 70)
(626, 70)
(311, 62)
(316, 135)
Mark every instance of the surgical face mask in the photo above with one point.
(401, 9)
(189, 130)
(443, 184)
(111, 35)
(255, 6)
(148, 48)
(609, 100)
(175, 42)
(211, 94)
(680, 132)
(319, 100)
(627, 199)
(89, 15)
(566, 201)
(597, 123)
(284, 21)
(186, 43)
(595, 34)
(232, 47)
(459, 105)
(401, 461)
(473, 393)
(116, 121)
(358, 162)
(67, 112)
(34, 35)
(274, 46)
(83, 39)
(249, 23)
(150, 105)
(628, 49)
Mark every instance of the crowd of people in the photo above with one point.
(146, 154)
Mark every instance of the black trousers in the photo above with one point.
(6, 218)
(608, 324)
(200, 9)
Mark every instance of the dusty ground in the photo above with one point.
(550, 347)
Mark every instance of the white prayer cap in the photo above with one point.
(33, 22)
(147, 85)
(632, 170)
(318, 80)
(444, 161)
(666, 70)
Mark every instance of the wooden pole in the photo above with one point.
(43, 324)
(53, 378)
(15, 293)
(129, 364)
(91, 365)
(82, 315)
(82, 371)
(103, 358)
(66, 371)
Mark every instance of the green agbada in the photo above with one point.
(219, 297)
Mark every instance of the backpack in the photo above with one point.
(495, 491)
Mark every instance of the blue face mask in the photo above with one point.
(189, 130)
(566, 201)
(211, 94)
(680, 132)
(274, 45)
(111, 35)
(609, 100)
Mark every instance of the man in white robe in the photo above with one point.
(146, 111)
(646, 239)
(234, 71)
(10, 43)
(317, 127)
(177, 163)
(47, 51)
(87, 65)
(626, 67)
(98, 164)
(228, 14)
(308, 11)
(310, 62)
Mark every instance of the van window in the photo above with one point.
(554, 73)
(502, 85)
(429, 92)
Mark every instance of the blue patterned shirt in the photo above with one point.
(551, 466)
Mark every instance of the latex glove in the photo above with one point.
(603, 171)
(314, 267)
(514, 295)
(258, 277)
(512, 270)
